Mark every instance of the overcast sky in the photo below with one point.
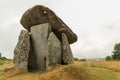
(96, 23)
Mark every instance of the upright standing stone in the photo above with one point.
(39, 35)
(54, 50)
(31, 59)
(21, 52)
(67, 53)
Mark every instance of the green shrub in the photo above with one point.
(82, 59)
(116, 52)
(108, 58)
(3, 58)
(1, 62)
(76, 59)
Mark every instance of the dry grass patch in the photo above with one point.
(59, 72)
(13, 72)
(68, 72)
(65, 72)
(112, 65)
(6, 64)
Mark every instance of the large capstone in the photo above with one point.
(21, 52)
(54, 50)
(40, 14)
(67, 53)
(39, 35)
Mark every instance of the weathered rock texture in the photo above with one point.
(67, 53)
(21, 52)
(54, 50)
(40, 14)
(39, 35)
(47, 43)
(32, 58)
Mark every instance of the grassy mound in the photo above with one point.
(59, 72)
(73, 71)
(69, 72)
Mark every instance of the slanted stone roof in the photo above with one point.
(40, 14)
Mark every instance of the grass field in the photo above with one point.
(76, 71)
(112, 65)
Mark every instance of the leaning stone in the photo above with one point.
(40, 14)
(54, 50)
(39, 35)
(67, 53)
(21, 51)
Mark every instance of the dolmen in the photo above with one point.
(45, 42)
